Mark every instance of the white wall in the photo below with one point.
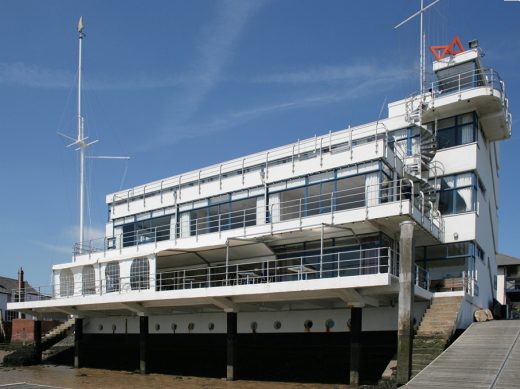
(374, 319)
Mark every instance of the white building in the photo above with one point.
(284, 241)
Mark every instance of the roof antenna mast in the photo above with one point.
(422, 40)
(81, 143)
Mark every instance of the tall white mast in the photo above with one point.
(81, 143)
(82, 146)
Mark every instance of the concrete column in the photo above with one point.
(406, 297)
(78, 335)
(143, 341)
(38, 341)
(231, 345)
(355, 344)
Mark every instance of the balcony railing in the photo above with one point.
(463, 81)
(298, 209)
(380, 260)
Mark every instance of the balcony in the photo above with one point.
(370, 201)
(481, 90)
(311, 276)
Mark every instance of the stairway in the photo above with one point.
(418, 170)
(435, 331)
(63, 345)
(57, 333)
(57, 340)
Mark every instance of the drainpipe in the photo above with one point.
(21, 291)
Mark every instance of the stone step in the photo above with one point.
(439, 344)
(437, 325)
(444, 307)
(420, 365)
(446, 301)
(428, 318)
(440, 313)
(427, 350)
(445, 335)
(423, 359)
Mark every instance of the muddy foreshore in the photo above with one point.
(67, 377)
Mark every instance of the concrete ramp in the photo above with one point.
(486, 355)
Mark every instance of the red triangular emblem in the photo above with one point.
(451, 50)
(439, 51)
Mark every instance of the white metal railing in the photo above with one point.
(300, 150)
(466, 80)
(477, 78)
(347, 263)
(298, 209)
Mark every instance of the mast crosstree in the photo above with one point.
(422, 43)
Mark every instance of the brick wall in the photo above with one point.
(23, 329)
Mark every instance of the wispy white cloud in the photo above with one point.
(21, 74)
(71, 234)
(32, 76)
(216, 49)
(354, 91)
(330, 84)
(55, 248)
(358, 73)
(91, 232)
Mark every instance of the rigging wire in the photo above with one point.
(62, 125)
(119, 141)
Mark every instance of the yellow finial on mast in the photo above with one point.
(80, 24)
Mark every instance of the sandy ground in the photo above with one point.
(67, 377)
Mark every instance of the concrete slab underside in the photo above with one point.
(487, 355)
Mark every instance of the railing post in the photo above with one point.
(459, 87)
(338, 268)
(300, 212)
(244, 221)
(321, 152)
(350, 145)
(400, 196)
(332, 205)
(271, 221)
(197, 230)
(379, 260)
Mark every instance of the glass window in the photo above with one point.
(350, 193)
(66, 283)
(457, 130)
(112, 280)
(457, 193)
(88, 280)
(292, 203)
(140, 274)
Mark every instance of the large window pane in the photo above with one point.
(291, 203)
(112, 280)
(350, 193)
(140, 274)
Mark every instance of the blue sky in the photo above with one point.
(178, 85)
